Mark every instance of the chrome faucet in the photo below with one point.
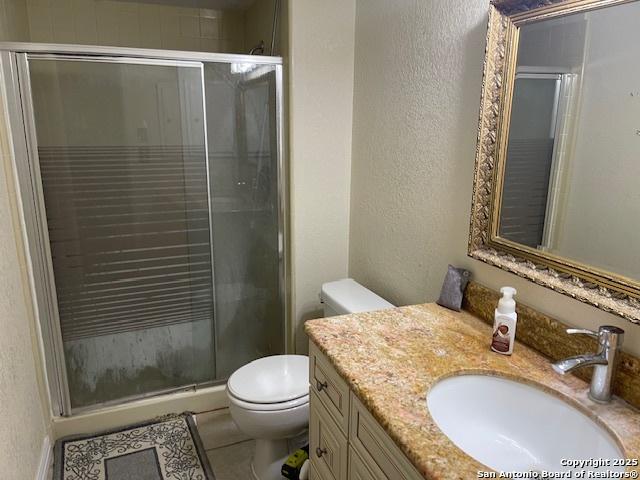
(604, 360)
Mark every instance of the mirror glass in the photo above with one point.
(571, 181)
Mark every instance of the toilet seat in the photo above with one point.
(269, 407)
(271, 383)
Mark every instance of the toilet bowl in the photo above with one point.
(269, 397)
(269, 401)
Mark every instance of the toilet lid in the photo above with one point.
(275, 379)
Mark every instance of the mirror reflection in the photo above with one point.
(575, 130)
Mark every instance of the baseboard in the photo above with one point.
(46, 457)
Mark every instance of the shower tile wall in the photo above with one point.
(14, 22)
(134, 24)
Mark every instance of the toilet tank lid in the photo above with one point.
(348, 296)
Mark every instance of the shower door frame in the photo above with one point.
(14, 68)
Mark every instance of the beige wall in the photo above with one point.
(418, 74)
(321, 37)
(24, 410)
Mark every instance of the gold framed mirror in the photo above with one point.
(558, 150)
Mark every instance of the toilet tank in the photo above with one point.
(348, 296)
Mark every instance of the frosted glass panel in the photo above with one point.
(122, 157)
(241, 125)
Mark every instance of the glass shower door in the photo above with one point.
(122, 153)
(247, 223)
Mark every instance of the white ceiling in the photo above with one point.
(213, 4)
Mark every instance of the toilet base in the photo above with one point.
(268, 459)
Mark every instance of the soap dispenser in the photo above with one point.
(504, 324)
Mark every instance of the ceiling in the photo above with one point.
(212, 4)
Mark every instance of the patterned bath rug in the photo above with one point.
(168, 448)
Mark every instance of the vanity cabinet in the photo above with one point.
(345, 441)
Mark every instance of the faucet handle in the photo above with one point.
(607, 335)
(583, 331)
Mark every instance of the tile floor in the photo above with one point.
(229, 451)
(232, 462)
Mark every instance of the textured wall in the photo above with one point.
(23, 425)
(418, 74)
(321, 96)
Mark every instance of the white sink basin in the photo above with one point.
(510, 426)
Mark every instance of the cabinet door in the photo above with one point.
(313, 473)
(358, 470)
(327, 443)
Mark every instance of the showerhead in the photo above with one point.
(258, 49)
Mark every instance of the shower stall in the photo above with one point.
(153, 201)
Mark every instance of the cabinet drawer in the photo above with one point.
(327, 444)
(357, 469)
(332, 390)
(376, 448)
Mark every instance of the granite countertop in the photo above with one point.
(390, 359)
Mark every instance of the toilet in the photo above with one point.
(269, 397)
(269, 401)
